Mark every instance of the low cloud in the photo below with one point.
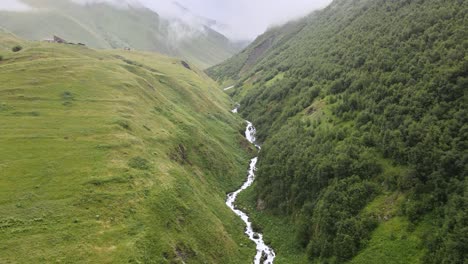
(14, 5)
(246, 19)
(116, 3)
(237, 19)
(179, 23)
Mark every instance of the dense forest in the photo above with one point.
(361, 100)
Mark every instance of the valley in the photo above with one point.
(361, 112)
(123, 132)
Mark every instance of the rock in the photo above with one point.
(261, 205)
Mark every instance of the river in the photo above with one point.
(265, 254)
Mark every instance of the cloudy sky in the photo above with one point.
(242, 19)
(248, 18)
(12, 5)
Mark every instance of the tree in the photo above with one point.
(16, 48)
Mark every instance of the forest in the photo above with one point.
(362, 99)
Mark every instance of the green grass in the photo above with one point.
(104, 161)
(278, 77)
(392, 242)
(395, 240)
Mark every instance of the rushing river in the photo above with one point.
(265, 254)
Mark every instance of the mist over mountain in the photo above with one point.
(174, 30)
(239, 20)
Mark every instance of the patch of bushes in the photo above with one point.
(130, 62)
(186, 65)
(124, 124)
(33, 113)
(180, 155)
(67, 95)
(16, 48)
(4, 107)
(139, 163)
(100, 182)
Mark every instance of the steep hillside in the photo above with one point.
(235, 68)
(115, 157)
(104, 26)
(363, 118)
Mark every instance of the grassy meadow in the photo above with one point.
(115, 157)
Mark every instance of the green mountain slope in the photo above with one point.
(234, 68)
(115, 157)
(104, 26)
(363, 117)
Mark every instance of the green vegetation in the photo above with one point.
(87, 167)
(100, 25)
(234, 68)
(16, 48)
(276, 229)
(139, 163)
(395, 242)
(363, 100)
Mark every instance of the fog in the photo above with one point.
(237, 19)
(13, 5)
(246, 19)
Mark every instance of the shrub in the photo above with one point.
(67, 95)
(139, 163)
(1, 57)
(17, 48)
(124, 124)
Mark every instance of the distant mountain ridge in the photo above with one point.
(102, 25)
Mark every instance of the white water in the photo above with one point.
(262, 249)
(228, 88)
(236, 110)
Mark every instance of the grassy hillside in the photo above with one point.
(115, 157)
(362, 115)
(105, 26)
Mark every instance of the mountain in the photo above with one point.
(115, 157)
(102, 25)
(237, 66)
(361, 109)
